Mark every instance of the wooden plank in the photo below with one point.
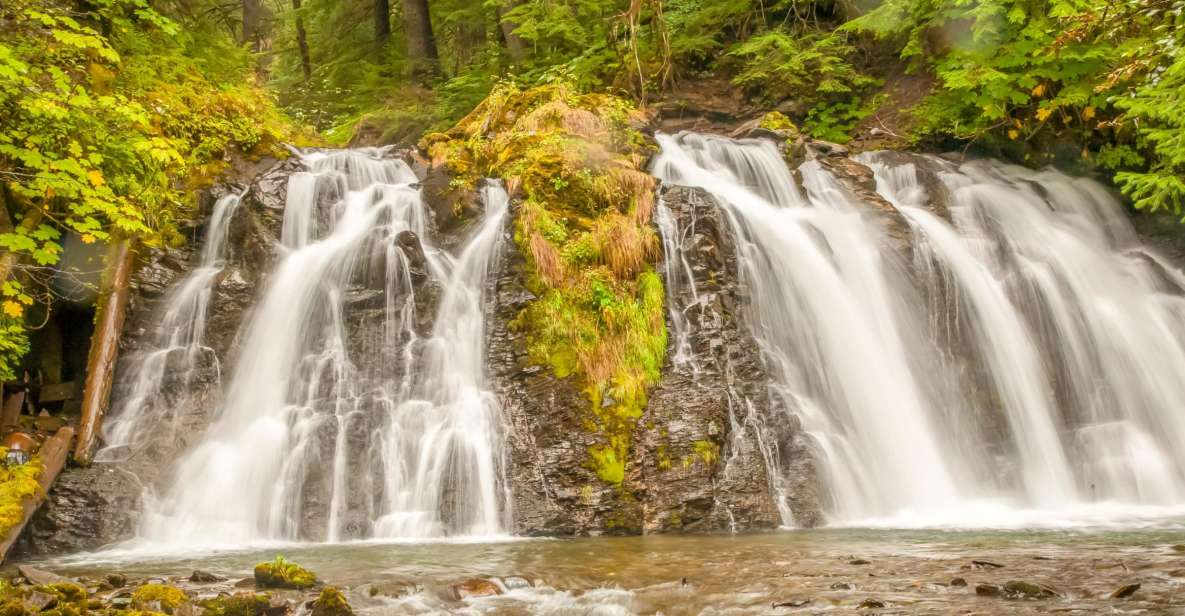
(12, 409)
(100, 364)
(53, 457)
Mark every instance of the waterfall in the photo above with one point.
(1023, 357)
(341, 418)
(178, 351)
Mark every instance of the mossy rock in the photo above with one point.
(241, 604)
(58, 599)
(168, 597)
(280, 573)
(331, 602)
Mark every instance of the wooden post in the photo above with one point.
(53, 458)
(100, 363)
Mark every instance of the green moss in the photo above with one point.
(280, 573)
(17, 483)
(331, 602)
(241, 604)
(575, 163)
(779, 123)
(707, 451)
(169, 597)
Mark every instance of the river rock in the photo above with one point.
(40, 576)
(1029, 590)
(1125, 591)
(205, 577)
(475, 587)
(958, 582)
(988, 590)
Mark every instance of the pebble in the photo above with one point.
(958, 582)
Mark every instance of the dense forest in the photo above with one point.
(113, 113)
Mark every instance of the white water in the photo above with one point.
(178, 351)
(1076, 331)
(339, 421)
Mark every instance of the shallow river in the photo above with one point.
(819, 571)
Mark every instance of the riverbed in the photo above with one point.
(783, 572)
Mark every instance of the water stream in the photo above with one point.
(1069, 330)
(343, 417)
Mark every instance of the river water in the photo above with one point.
(834, 571)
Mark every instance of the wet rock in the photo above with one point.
(116, 580)
(516, 583)
(1029, 590)
(871, 604)
(958, 582)
(985, 564)
(394, 590)
(1180, 548)
(331, 602)
(40, 576)
(842, 586)
(205, 577)
(245, 583)
(825, 149)
(1125, 591)
(859, 561)
(989, 590)
(792, 603)
(475, 587)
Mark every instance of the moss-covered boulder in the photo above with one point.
(280, 573)
(331, 602)
(241, 604)
(58, 599)
(158, 598)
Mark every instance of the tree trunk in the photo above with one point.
(421, 45)
(53, 458)
(382, 21)
(253, 24)
(100, 363)
(515, 46)
(302, 43)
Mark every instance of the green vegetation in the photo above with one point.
(1101, 77)
(575, 161)
(239, 604)
(331, 602)
(110, 117)
(17, 483)
(281, 573)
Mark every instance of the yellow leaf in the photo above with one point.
(13, 309)
(87, 238)
(1039, 90)
(1088, 113)
(1043, 114)
(95, 177)
(1013, 134)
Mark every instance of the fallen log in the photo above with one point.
(100, 363)
(53, 458)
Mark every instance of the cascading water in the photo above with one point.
(1074, 328)
(341, 419)
(1081, 327)
(179, 349)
